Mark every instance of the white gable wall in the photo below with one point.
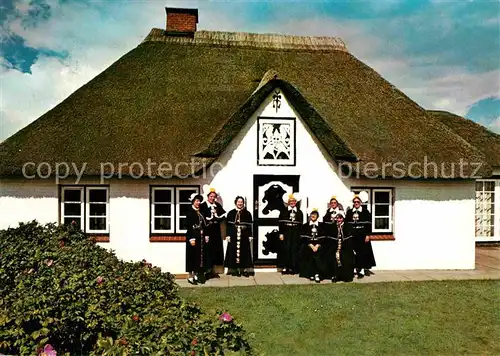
(318, 178)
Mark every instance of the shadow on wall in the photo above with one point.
(37, 189)
(434, 190)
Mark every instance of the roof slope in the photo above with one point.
(168, 99)
(479, 136)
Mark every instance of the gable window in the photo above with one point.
(87, 207)
(485, 210)
(169, 207)
(276, 141)
(380, 205)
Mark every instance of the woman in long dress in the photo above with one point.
(239, 230)
(290, 226)
(197, 253)
(313, 262)
(215, 216)
(341, 252)
(360, 221)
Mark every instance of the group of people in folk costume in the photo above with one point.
(337, 248)
(204, 247)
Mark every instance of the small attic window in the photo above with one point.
(276, 142)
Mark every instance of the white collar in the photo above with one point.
(292, 209)
(212, 205)
(360, 209)
(238, 209)
(313, 222)
(195, 209)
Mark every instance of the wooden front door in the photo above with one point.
(268, 201)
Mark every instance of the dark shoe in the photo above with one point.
(246, 274)
(192, 281)
(368, 272)
(360, 275)
(334, 279)
(311, 278)
(284, 271)
(317, 279)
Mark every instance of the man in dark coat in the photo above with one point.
(239, 236)
(341, 252)
(313, 259)
(215, 215)
(360, 220)
(290, 225)
(197, 254)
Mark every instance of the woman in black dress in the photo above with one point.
(290, 226)
(333, 208)
(360, 221)
(239, 230)
(313, 261)
(215, 215)
(197, 253)
(341, 253)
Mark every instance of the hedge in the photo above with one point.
(60, 292)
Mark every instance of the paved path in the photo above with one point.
(487, 267)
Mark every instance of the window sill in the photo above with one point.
(98, 237)
(382, 237)
(167, 238)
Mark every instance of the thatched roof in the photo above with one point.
(172, 98)
(478, 136)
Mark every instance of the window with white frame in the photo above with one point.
(72, 206)
(162, 209)
(485, 208)
(97, 209)
(380, 205)
(86, 207)
(169, 207)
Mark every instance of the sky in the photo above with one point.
(443, 54)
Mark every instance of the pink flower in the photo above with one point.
(48, 350)
(73, 222)
(226, 317)
(135, 318)
(99, 280)
(194, 342)
(49, 262)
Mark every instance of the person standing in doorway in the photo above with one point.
(290, 225)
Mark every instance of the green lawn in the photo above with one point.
(405, 318)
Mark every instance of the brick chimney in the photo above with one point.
(181, 22)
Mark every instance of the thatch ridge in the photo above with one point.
(251, 40)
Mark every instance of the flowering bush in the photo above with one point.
(60, 293)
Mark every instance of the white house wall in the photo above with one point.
(433, 225)
(23, 201)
